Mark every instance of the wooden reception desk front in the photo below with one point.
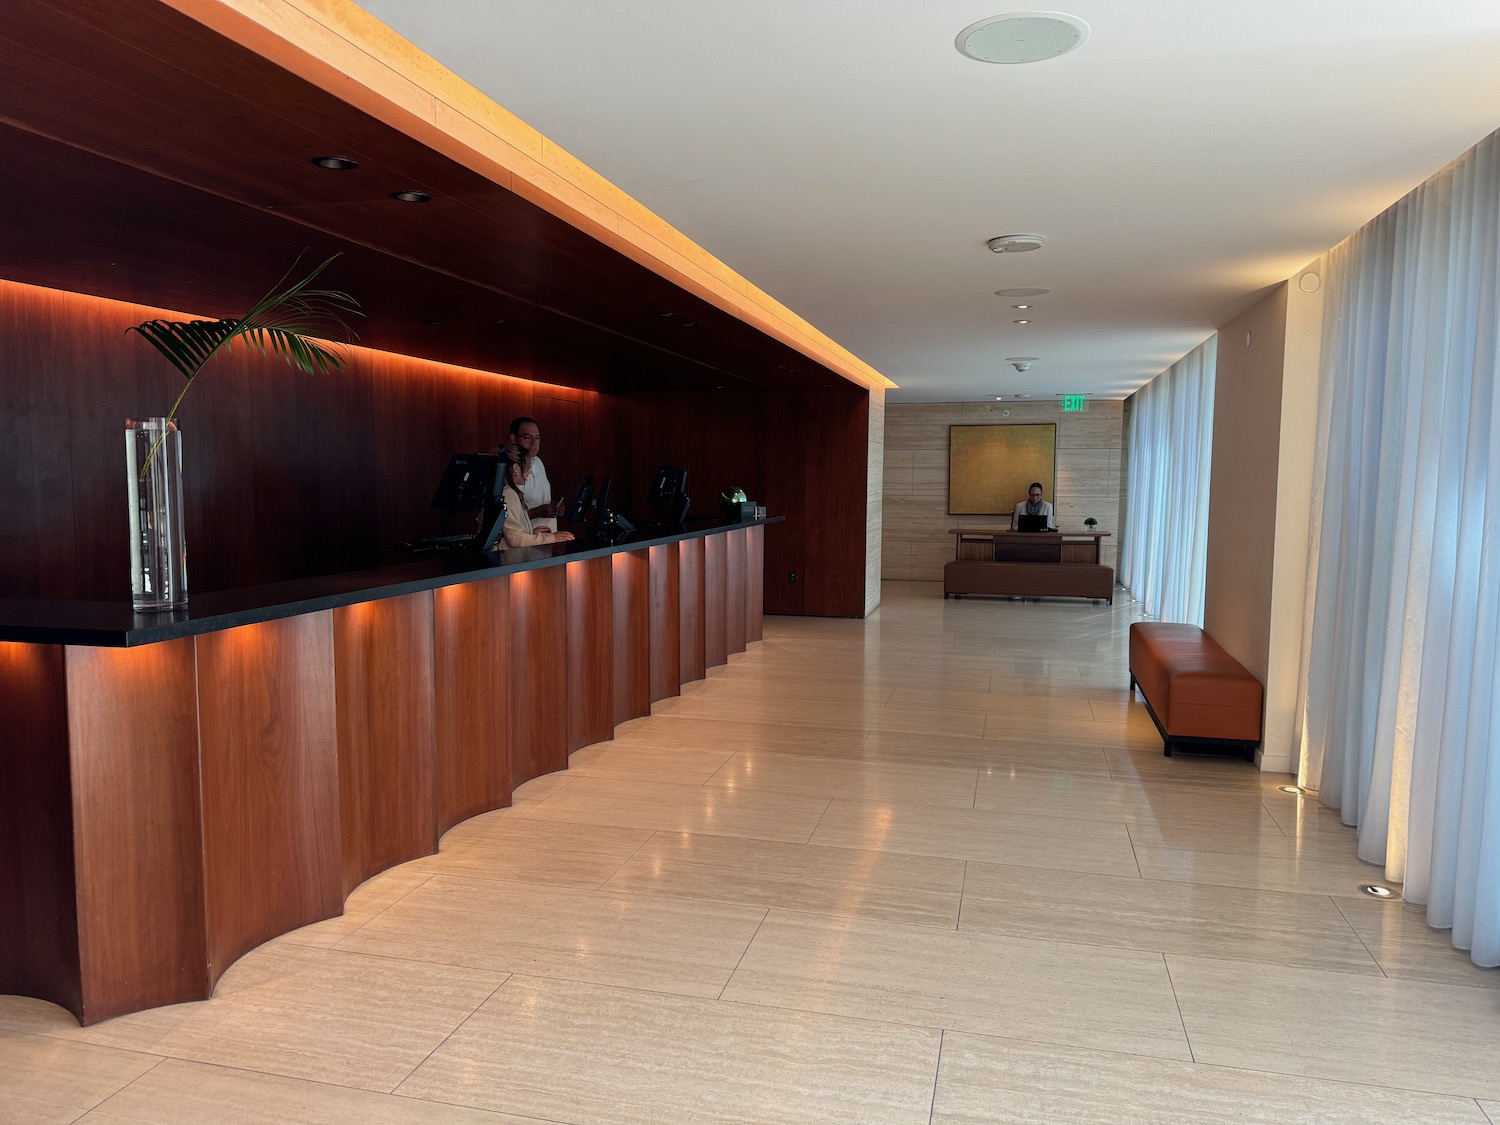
(1027, 564)
(178, 789)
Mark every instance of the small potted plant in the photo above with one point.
(1091, 523)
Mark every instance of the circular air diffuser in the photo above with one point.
(1022, 37)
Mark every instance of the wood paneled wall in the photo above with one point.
(285, 475)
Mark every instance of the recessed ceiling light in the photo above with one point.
(1015, 243)
(1020, 306)
(411, 195)
(336, 163)
(1022, 37)
(1020, 322)
(1022, 292)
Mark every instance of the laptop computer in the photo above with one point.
(1031, 523)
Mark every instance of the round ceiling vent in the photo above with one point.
(1022, 292)
(1022, 37)
(1015, 243)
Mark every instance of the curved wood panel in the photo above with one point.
(536, 668)
(632, 597)
(268, 731)
(715, 576)
(38, 913)
(755, 582)
(588, 694)
(387, 766)
(690, 611)
(734, 590)
(666, 629)
(471, 633)
(134, 724)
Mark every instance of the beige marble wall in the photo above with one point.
(874, 514)
(915, 541)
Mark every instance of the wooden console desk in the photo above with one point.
(1027, 563)
(179, 788)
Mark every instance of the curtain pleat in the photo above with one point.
(1165, 554)
(1401, 689)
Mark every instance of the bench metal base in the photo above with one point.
(1193, 744)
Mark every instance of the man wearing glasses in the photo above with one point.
(526, 437)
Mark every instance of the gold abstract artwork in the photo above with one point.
(990, 467)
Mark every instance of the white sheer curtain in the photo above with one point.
(1401, 682)
(1165, 553)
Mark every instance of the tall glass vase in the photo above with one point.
(158, 555)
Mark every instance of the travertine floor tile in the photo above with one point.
(1004, 1082)
(888, 783)
(185, 1093)
(1346, 1026)
(369, 899)
(1036, 990)
(1320, 874)
(1027, 841)
(685, 808)
(1025, 902)
(530, 850)
(638, 941)
(678, 765)
(51, 1082)
(321, 1014)
(897, 888)
(606, 1056)
(1406, 947)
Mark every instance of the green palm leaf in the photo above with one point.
(284, 324)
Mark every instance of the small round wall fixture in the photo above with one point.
(1022, 292)
(1375, 890)
(411, 195)
(336, 163)
(1022, 37)
(1015, 243)
(1309, 282)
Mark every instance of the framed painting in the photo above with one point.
(990, 467)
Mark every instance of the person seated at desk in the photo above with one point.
(519, 530)
(1033, 505)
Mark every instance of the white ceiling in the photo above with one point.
(844, 156)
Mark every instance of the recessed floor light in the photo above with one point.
(1296, 790)
(411, 195)
(1022, 292)
(1375, 890)
(336, 163)
(1022, 37)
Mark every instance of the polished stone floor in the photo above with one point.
(931, 867)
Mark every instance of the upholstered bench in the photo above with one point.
(1194, 690)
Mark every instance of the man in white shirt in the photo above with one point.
(526, 435)
(1033, 505)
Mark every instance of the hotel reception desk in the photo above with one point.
(177, 789)
(1028, 564)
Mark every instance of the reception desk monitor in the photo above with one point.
(470, 483)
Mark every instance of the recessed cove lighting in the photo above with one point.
(411, 195)
(1022, 37)
(1022, 292)
(336, 163)
(1015, 243)
(1375, 890)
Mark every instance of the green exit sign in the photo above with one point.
(1075, 402)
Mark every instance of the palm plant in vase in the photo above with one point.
(286, 323)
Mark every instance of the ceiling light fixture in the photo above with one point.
(1022, 292)
(336, 163)
(1022, 37)
(1020, 322)
(411, 195)
(1015, 243)
(1020, 306)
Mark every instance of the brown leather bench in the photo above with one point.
(1194, 690)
